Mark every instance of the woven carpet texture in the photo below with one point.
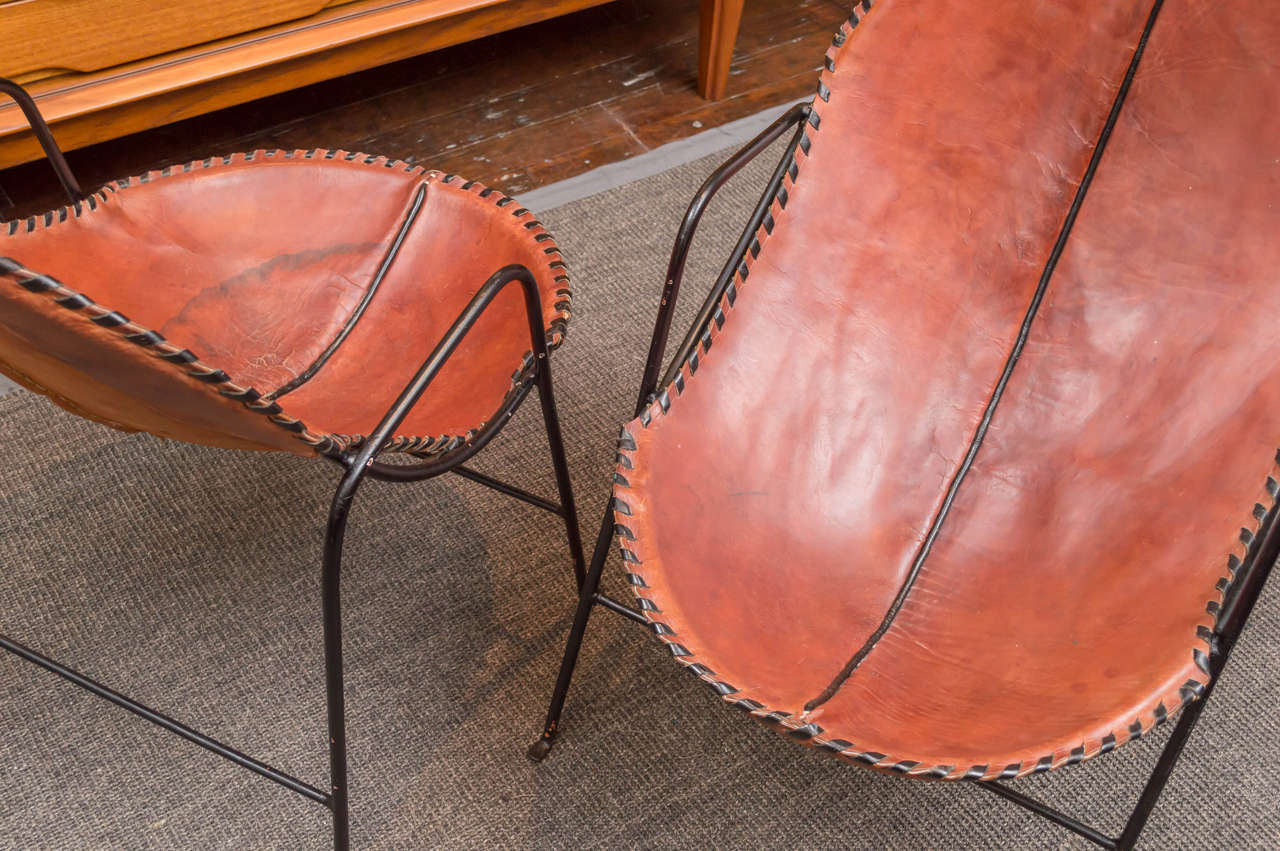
(188, 577)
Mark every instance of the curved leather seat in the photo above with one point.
(956, 480)
(300, 289)
(341, 305)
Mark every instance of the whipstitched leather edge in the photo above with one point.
(810, 732)
(322, 442)
(181, 359)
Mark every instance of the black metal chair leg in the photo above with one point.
(1160, 776)
(586, 599)
(331, 582)
(358, 463)
(563, 484)
(361, 461)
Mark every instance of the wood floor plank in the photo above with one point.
(516, 110)
(591, 135)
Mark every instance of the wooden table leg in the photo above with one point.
(717, 32)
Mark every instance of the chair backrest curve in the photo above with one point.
(852, 374)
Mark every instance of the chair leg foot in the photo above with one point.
(542, 747)
(540, 750)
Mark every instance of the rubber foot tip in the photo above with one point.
(538, 750)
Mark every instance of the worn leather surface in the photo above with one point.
(773, 508)
(97, 372)
(258, 263)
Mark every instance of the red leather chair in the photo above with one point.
(322, 303)
(967, 469)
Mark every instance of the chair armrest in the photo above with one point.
(794, 117)
(43, 135)
(358, 460)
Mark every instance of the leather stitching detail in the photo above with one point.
(809, 732)
(181, 359)
(555, 269)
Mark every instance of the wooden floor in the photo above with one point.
(517, 110)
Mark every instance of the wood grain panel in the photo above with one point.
(89, 108)
(43, 36)
(497, 109)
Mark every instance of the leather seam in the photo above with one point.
(182, 359)
(812, 733)
(925, 547)
(662, 404)
(796, 726)
(389, 258)
(556, 269)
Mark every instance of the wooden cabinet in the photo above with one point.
(718, 24)
(100, 69)
(44, 38)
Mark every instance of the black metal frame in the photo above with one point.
(45, 137)
(360, 463)
(1241, 597)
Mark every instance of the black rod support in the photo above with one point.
(797, 115)
(360, 463)
(620, 608)
(1251, 578)
(1160, 775)
(335, 692)
(446, 461)
(555, 440)
(509, 490)
(359, 460)
(589, 588)
(45, 137)
(1050, 813)
(164, 721)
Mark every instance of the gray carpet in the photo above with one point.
(187, 576)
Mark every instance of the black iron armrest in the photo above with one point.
(794, 117)
(41, 129)
(362, 460)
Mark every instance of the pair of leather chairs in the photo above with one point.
(967, 468)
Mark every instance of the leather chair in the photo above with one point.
(322, 303)
(967, 469)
